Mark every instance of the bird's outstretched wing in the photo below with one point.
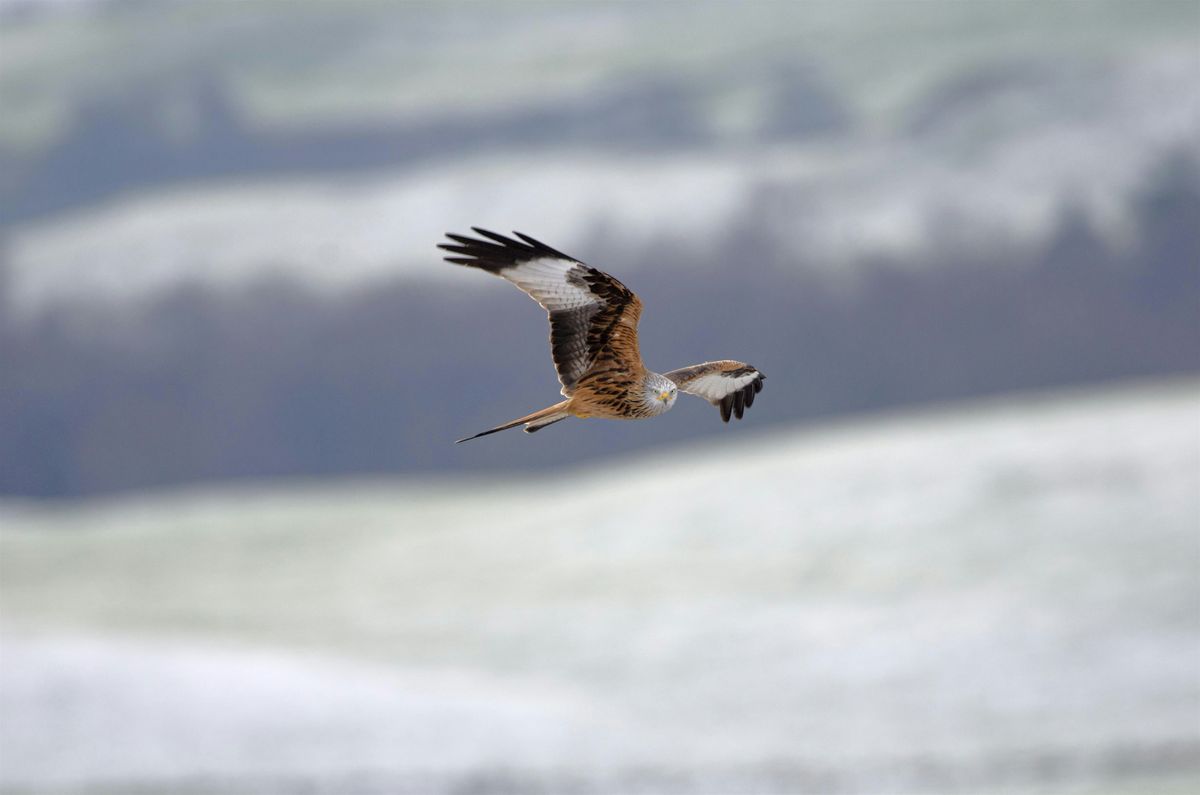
(727, 384)
(593, 317)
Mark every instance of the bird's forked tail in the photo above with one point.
(532, 422)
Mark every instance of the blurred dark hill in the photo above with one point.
(279, 381)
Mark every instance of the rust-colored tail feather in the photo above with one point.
(532, 422)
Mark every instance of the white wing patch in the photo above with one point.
(716, 386)
(729, 385)
(545, 280)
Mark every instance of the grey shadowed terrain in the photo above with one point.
(217, 256)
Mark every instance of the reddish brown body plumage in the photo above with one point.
(594, 337)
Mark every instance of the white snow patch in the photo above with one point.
(919, 603)
(832, 202)
(85, 710)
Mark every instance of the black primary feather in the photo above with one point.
(495, 256)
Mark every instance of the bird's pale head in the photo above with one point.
(660, 393)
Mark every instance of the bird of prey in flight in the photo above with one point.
(593, 338)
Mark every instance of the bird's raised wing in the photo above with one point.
(593, 317)
(727, 384)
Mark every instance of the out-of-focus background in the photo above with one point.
(954, 547)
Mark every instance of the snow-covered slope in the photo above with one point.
(993, 596)
(987, 119)
(831, 204)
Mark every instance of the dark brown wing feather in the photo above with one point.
(593, 317)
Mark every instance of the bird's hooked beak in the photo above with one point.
(664, 396)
